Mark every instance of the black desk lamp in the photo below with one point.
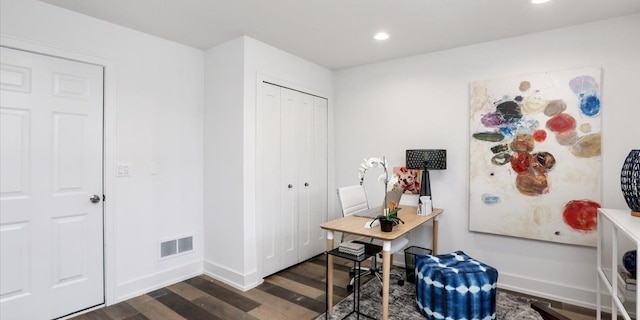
(426, 159)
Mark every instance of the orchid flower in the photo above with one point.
(375, 162)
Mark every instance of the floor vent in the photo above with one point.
(177, 246)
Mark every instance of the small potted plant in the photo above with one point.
(390, 218)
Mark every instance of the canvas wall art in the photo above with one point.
(409, 180)
(535, 156)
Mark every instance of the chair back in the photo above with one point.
(352, 199)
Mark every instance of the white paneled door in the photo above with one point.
(51, 213)
(291, 176)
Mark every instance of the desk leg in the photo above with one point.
(435, 235)
(386, 269)
(329, 273)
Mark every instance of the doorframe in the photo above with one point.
(108, 136)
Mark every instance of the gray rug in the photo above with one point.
(402, 301)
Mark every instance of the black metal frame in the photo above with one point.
(370, 251)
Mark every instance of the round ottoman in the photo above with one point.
(454, 286)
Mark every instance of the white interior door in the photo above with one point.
(268, 178)
(313, 167)
(51, 234)
(319, 178)
(291, 176)
(304, 142)
(289, 186)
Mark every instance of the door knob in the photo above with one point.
(306, 184)
(94, 198)
(290, 186)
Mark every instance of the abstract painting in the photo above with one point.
(535, 156)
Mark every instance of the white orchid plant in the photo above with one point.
(375, 162)
(390, 213)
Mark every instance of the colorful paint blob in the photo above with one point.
(567, 138)
(539, 135)
(500, 148)
(588, 146)
(490, 199)
(581, 215)
(561, 122)
(501, 159)
(585, 127)
(590, 105)
(510, 111)
(583, 84)
(554, 107)
(532, 182)
(533, 105)
(522, 143)
(541, 215)
(544, 159)
(520, 162)
(489, 136)
(492, 120)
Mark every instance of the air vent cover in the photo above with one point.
(176, 246)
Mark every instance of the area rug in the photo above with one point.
(402, 304)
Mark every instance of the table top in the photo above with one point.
(355, 225)
(624, 221)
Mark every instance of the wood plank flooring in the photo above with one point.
(296, 293)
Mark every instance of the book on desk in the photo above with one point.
(352, 248)
(628, 280)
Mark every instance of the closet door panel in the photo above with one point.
(304, 141)
(269, 179)
(290, 101)
(319, 163)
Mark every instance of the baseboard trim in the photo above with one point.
(242, 282)
(580, 297)
(142, 285)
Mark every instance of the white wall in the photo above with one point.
(154, 105)
(223, 154)
(423, 102)
(236, 261)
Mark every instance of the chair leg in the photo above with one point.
(364, 272)
(354, 271)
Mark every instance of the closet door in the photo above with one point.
(290, 104)
(268, 178)
(291, 175)
(314, 212)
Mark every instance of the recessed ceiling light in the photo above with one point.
(381, 36)
(539, 1)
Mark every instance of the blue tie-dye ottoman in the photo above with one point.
(454, 286)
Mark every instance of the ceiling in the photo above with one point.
(338, 34)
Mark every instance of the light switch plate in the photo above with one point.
(122, 170)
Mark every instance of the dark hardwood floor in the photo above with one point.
(296, 293)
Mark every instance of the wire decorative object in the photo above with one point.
(630, 181)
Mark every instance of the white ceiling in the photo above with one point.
(338, 34)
